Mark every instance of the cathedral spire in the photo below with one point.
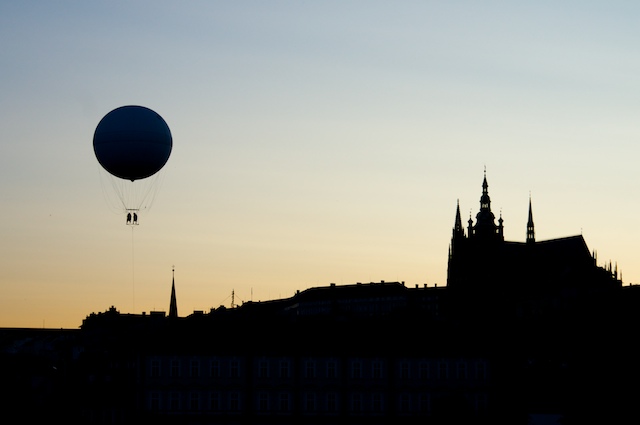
(485, 220)
(458, 230)
(531, 237)
(173, 307)
(485, 201)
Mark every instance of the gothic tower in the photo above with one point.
(472, 257)
(486, 227)
(531, 236)
(458, 230)
(458, 238)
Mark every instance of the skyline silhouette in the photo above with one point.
(314, 143)
(523, 333)
(530, 332)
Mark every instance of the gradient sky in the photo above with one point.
(314, 142)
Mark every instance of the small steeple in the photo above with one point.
(531, 236)
(173, 307)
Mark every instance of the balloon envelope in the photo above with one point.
(132, 142)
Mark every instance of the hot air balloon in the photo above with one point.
(133, 143)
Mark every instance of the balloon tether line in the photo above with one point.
(133, 281)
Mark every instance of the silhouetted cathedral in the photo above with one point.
(482, 262)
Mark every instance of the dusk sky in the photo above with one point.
(313, 143)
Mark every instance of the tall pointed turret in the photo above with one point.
(458, 230)
(173, 307)
(531, 236)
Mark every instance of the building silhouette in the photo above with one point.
(519, 278)
(526, 332)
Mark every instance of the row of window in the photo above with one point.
(314, 368)
(308, 402)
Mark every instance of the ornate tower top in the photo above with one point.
(485, 220)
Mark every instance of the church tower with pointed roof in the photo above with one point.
(472, 256)
(457, 238)
(485, 226)
(458, 230)
(173, 305)
(531, 235)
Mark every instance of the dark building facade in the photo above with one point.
(336, 354)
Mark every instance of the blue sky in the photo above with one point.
(314, 142)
